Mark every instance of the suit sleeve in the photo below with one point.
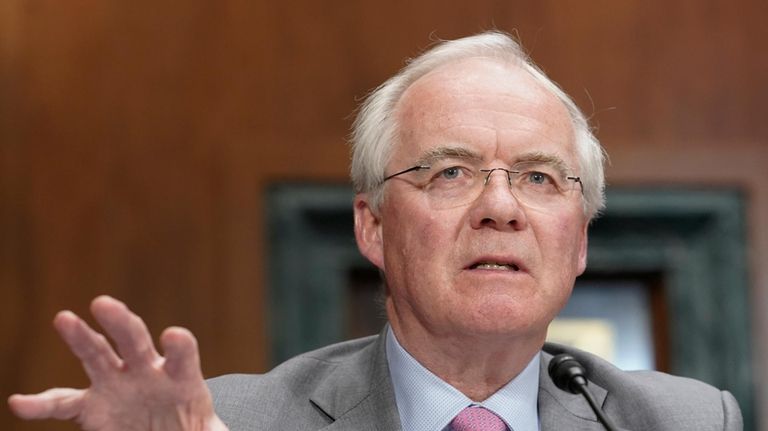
(732, 420)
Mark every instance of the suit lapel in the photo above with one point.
(559, 410)
(359, 393)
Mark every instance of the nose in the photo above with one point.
(497, 207)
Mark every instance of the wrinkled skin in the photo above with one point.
(490, 322)
(134, 388)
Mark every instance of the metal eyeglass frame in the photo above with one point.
(487, 177)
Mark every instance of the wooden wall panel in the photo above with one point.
(136, 139)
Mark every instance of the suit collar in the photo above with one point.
(358, 394)
(559, 409)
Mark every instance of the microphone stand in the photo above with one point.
(569, 375)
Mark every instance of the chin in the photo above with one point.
(507, 324)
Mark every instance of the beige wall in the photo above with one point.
(136, 139)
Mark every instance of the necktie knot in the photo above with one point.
(476, 418)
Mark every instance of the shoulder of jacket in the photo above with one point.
(651, 398)
(294, 374)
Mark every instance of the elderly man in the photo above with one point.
(476, 181)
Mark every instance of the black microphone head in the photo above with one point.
(567, 373)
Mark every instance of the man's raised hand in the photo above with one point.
(134, 388)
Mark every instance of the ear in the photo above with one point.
(368, 230)
(583, 249)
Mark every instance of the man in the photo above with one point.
(476, 180)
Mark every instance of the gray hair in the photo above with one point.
(375, 128)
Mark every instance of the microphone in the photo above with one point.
(569, 375)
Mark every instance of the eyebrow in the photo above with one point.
(544, 158)
(440, 153)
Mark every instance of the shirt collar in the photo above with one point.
(427, 403)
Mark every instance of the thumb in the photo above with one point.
(57, 403)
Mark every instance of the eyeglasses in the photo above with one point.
(448, 184)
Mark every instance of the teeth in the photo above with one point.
(497, 266)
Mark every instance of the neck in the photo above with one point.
(477, 365)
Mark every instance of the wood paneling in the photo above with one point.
(136, 139)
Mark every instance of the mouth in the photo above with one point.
(495, 266)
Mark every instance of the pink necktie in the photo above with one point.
(477, 419)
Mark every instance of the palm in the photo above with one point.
(137, 390)
(163, 402)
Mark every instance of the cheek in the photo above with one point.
(419, 245)
(421, 229)
(560, 243)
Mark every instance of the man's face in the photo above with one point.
(434, 258)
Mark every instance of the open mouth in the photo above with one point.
(496, 266)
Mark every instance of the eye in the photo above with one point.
(538, 178)
(451, 173)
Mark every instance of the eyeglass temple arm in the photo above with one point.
(412, 168)
(577, 180)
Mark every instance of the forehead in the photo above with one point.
(493, 108)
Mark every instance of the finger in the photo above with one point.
(89, 346)
(130, 334)
(58, 403)
(182, 360)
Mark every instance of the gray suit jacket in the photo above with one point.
(347, 387)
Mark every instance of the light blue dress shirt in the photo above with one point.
(427, 403)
